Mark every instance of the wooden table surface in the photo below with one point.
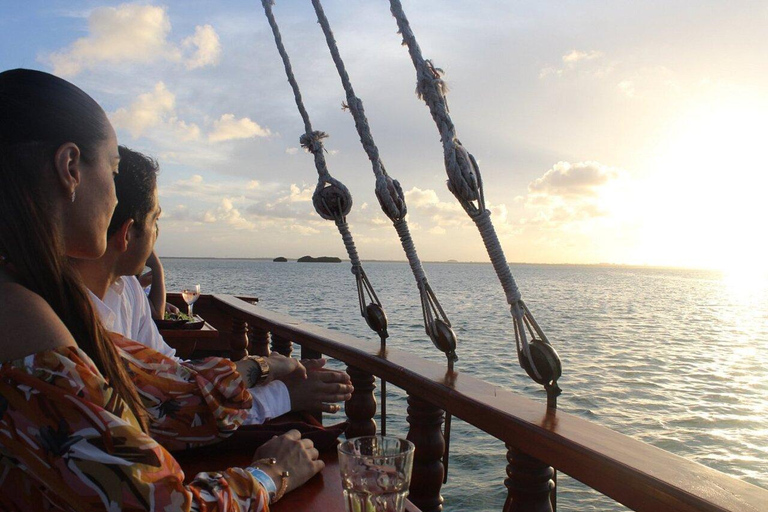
(322, 493)
(186, 340)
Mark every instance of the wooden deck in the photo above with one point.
(636, 474)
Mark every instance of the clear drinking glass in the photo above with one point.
(375, 473)
(190, 294)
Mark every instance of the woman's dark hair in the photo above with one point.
(38, 113)
(135, 185)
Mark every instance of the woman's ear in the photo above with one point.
(124, 235)
(66, 166)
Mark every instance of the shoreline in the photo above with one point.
(514, 263)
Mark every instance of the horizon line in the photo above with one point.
(452, 261)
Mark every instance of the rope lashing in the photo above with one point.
(392, 201)
(538, 358)
(331, 199)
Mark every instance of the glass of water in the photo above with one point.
(375, 473)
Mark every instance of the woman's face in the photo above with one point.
(87, 218)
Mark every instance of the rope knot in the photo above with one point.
(391, 197)
(462, 173)
(332, 200)
(430, 80)
(313, 142)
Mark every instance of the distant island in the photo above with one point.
(321, 259)
(280, 259)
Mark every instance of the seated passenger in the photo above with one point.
(123, 306)
(73, 429)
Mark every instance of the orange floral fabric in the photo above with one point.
(190, 404)
(68, 442)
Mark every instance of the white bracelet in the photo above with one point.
(264, 479)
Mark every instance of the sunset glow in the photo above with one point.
(600, 141)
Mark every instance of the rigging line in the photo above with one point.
(392, 202)
(333, 201)
(465, 183)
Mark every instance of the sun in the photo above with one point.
(708, 204)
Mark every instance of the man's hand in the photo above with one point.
(153, 261)
(320, 390)
(280, 367)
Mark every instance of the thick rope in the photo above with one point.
(331, 199)
(388, 191)
(464, 180)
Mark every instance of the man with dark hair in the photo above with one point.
(123, 307)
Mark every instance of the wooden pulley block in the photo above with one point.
(376, 318)
(545, 359)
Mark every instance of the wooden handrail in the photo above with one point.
(631, 472)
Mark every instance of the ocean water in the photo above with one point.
(674, 358)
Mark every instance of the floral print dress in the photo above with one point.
(68, 442)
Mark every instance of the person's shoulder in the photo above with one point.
(132, 284)
(28, 324)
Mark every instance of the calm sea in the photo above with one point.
(674, 358)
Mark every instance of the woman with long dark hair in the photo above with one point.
(73, 430)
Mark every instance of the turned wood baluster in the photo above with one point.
(259, 341)
(361, 407)
(425, 421)
(529, 483)
(282, 345)
(238, 343)
(308, 353)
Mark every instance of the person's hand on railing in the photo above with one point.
(290, 453)
(321, 390)
(280, 367)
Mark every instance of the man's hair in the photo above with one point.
(135, 185)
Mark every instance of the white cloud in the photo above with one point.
(571, 193)
(298, 195)
(575, 56)
(227, 213)
(571, 61)
(133, 33)
(151, 110)
(579, 179)
(291, 151)
(207, 48)
(229, 128)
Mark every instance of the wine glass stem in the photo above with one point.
(190, 310)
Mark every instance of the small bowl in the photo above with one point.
(170, 324)
(198, 323)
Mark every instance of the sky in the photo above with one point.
(607, 132)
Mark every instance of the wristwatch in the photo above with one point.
(263, 367)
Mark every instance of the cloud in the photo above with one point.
(134, 33)
(571, 193)
(154, 109)
(227, 213)
(575, 56)
(207, 48)
(579, 179)
(571, 61)
(292, 151)
(229, 128)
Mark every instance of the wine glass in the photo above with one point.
(190, 294)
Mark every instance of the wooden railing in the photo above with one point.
(537, 439)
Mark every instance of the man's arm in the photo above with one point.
(157, 291)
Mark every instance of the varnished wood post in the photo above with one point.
(259, 341)
(425, 421)
(529, 483)
(361, 407)
(282, 345)
(308, 353)
(238, 344)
